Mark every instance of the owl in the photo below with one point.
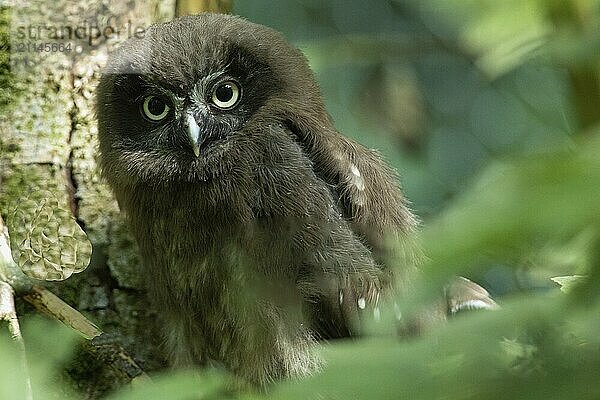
(262, 229)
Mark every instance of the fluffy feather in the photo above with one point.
(273, 237)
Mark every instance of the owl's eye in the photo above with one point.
(154, 108)
(226, 95)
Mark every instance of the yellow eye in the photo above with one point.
(154, 108)
(226, 95)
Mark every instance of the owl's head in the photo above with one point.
(185, 102)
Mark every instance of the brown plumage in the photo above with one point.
(262, 228)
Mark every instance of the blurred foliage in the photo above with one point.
(541, 345)
(440, 87)
(481, 107)
(49, 345)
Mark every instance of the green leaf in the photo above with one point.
(568, 282)
(181, 385)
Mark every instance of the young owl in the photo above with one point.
(262, 229)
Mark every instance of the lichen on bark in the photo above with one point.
(48, 143)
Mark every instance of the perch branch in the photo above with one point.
(109, 351)
(48, 303)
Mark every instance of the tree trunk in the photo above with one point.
(48, 145)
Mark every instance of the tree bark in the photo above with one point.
(48, 143)
(189, 7)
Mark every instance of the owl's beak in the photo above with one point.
(194, 133)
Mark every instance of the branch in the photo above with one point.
(100, 346)
(48, 303)
(585, 77)
(9, 271)
(9, 314)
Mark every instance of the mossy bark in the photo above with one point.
(48, 143)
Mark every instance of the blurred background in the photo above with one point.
(400, 76)
(444, 88)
